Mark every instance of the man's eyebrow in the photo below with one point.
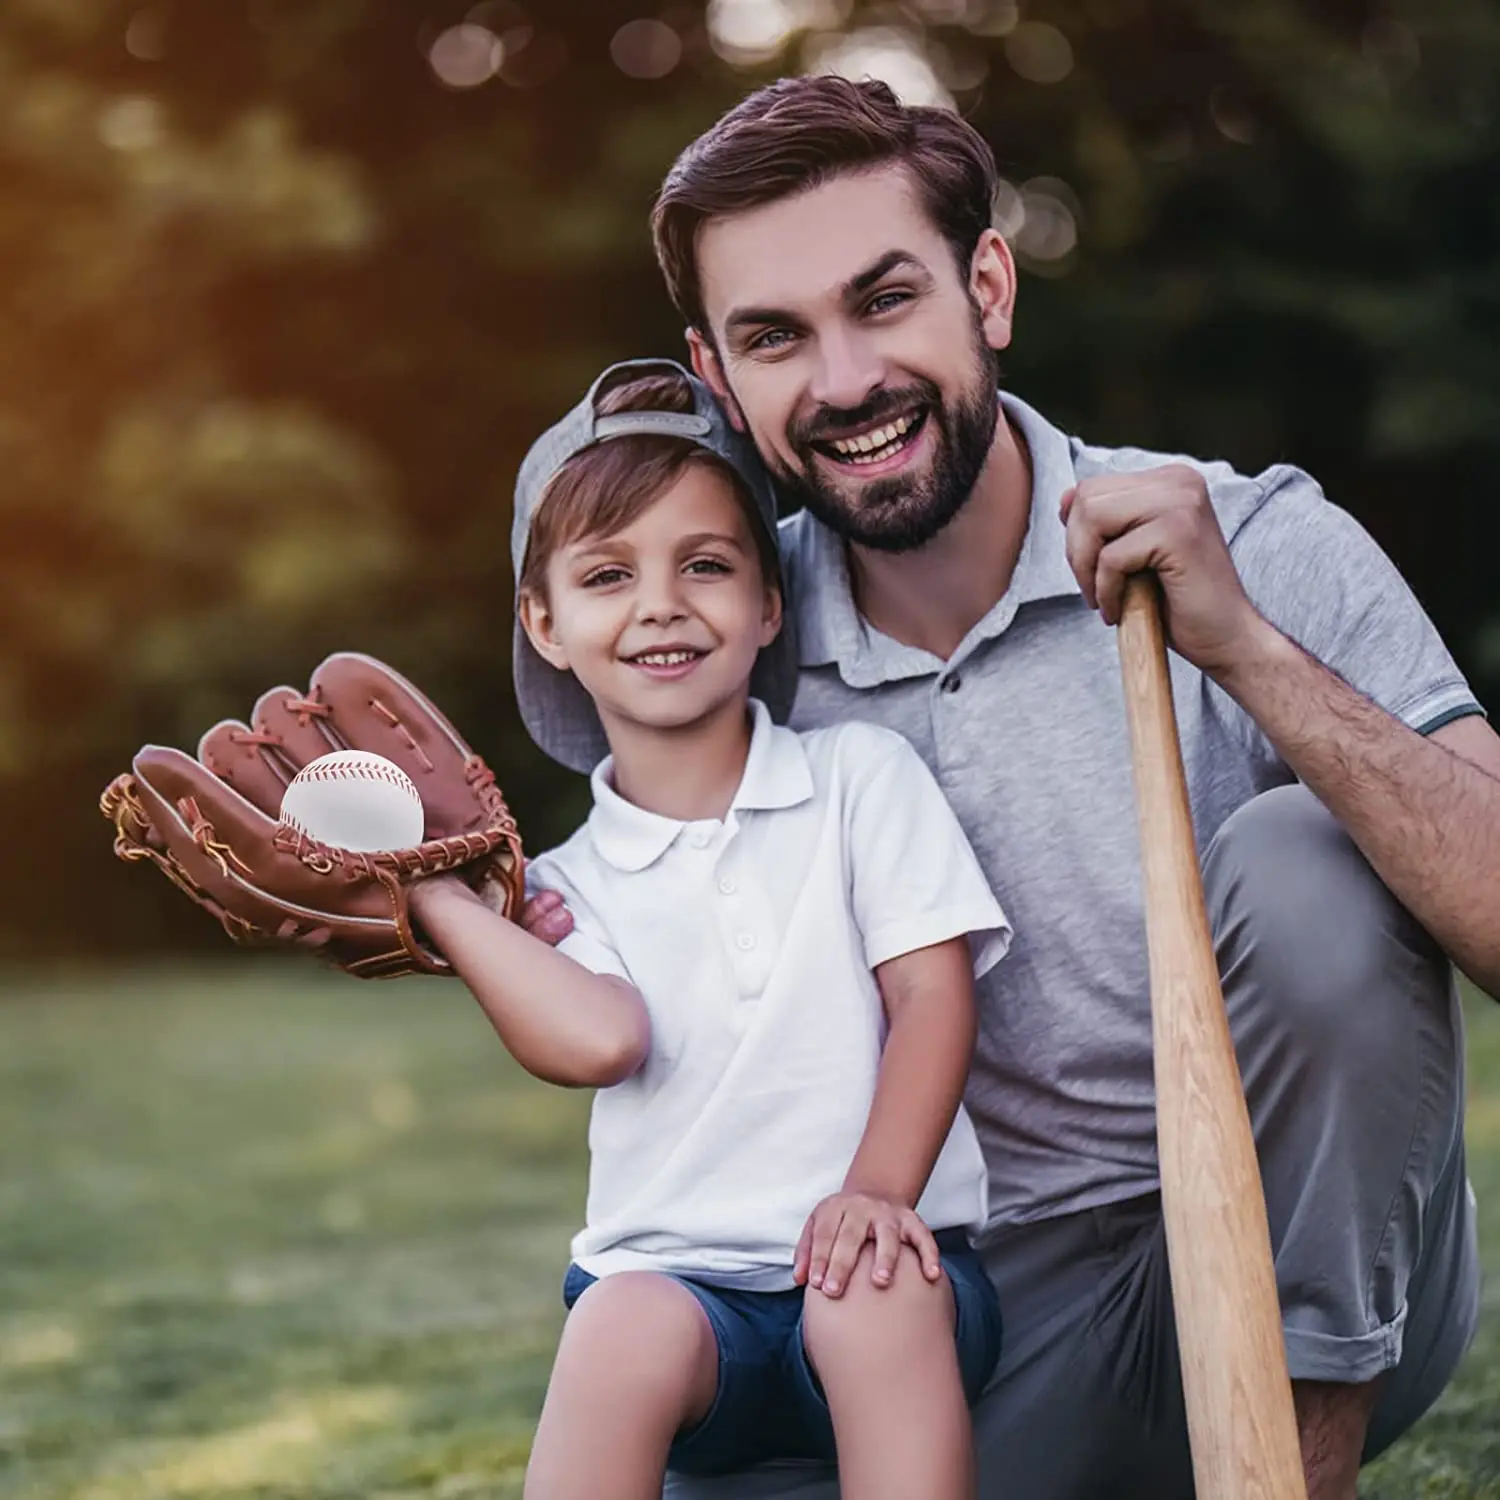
(759, 317)
(892, 260)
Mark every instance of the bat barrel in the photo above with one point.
(1241, 1421)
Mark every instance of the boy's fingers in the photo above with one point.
(546, 917)
(887, 1252)
(825, 1230)
(853, 1232)
(919, 1237)
(803, 1254)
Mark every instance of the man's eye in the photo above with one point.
(888, 302)
(771, 340)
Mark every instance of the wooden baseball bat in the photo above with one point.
(1241, 1423)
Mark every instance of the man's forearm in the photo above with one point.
(1427, 820)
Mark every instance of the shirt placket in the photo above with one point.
(743, 913)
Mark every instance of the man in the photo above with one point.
(953, 574)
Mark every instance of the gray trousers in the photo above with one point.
(1350, 1039)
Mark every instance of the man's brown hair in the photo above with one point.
(798, 133)
(602, 489)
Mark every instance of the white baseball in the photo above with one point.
(355, 799)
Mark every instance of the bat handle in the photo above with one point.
(1242, 1425)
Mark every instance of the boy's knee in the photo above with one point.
(640, 1322)
(867, 1321)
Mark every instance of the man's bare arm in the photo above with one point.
(1424, 809)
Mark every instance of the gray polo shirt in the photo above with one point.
(1024, 728)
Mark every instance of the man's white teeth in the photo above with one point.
(874, 442)
(665, 658)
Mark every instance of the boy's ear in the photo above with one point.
(706, 366)
(770, 625)
(537, 622)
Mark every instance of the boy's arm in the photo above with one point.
(929, 1005)
(929, 1002)
(559, 1020)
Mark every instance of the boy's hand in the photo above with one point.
(836, 1232)
(546, 917)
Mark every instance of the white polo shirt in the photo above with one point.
(752, 941)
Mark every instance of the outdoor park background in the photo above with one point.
(286, 287)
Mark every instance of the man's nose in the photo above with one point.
(848, 370)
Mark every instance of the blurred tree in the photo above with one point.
(287, 286)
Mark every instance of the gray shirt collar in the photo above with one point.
(830, 629)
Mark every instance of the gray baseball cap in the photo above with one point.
(558, 714)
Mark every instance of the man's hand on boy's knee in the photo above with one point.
(546, 916)
(841, 1225)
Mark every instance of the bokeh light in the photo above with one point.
(133, 123)
(466, 55)
(646, 49)
(750, 31)
(146, 34)
(951, 12)
(1039, 219)
(884, 52)
(997, 18)
(1233, 120)
(1039, 53)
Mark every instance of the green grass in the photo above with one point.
(266, 1232)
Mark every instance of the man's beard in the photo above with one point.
(902, 512)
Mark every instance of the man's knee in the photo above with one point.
(1303, 923)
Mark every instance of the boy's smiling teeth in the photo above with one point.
(665, 658)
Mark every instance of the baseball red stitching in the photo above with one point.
(357, 771)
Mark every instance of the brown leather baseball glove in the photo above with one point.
(212, 825)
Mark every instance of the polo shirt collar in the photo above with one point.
(776, 775)
(830, 629)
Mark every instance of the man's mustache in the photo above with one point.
(831, 422)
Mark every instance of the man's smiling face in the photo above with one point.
(845, 339)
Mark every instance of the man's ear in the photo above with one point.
(992, 284)
(708, 369)
(537, 621)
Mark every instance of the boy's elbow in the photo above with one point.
(623, 1055)
(618, 1052)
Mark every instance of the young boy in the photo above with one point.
(769, 981)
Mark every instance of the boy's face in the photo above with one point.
(848, 344)
(662, 621)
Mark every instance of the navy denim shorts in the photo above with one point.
(769, 1403)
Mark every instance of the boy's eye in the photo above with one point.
(603, 577)
(709, 565)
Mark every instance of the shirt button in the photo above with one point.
(698, 839)
(953, 683)
(727, 887)
(744, 942)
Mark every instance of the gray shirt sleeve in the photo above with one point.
(1319, 577)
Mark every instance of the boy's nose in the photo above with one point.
(659, 600)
